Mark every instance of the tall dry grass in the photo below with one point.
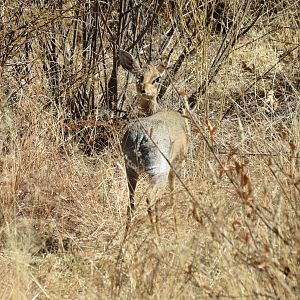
(233, 229)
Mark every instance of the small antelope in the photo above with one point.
(158, 143)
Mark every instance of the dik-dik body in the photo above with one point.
(157, 143)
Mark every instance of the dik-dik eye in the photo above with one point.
(156, 80)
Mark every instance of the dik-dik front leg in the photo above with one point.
(132, 178)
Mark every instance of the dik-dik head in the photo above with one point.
(148, 79)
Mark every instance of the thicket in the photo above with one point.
(64, 103)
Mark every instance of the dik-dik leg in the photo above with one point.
(132, 178)
(157, 183)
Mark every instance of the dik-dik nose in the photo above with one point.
(148, 90)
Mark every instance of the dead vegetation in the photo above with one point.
(233, 229)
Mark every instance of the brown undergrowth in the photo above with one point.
(233, 229)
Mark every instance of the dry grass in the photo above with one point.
(232, 232)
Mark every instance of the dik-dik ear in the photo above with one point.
(188, 102)
(128, 62)
(164, 64)
(161, 69)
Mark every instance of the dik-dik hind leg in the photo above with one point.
(157, 184)
(171, 179)
(175, 170)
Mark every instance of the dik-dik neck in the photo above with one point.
(147, 106)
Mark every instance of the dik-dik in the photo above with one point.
(157, 143)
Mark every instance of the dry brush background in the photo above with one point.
(233, 229)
